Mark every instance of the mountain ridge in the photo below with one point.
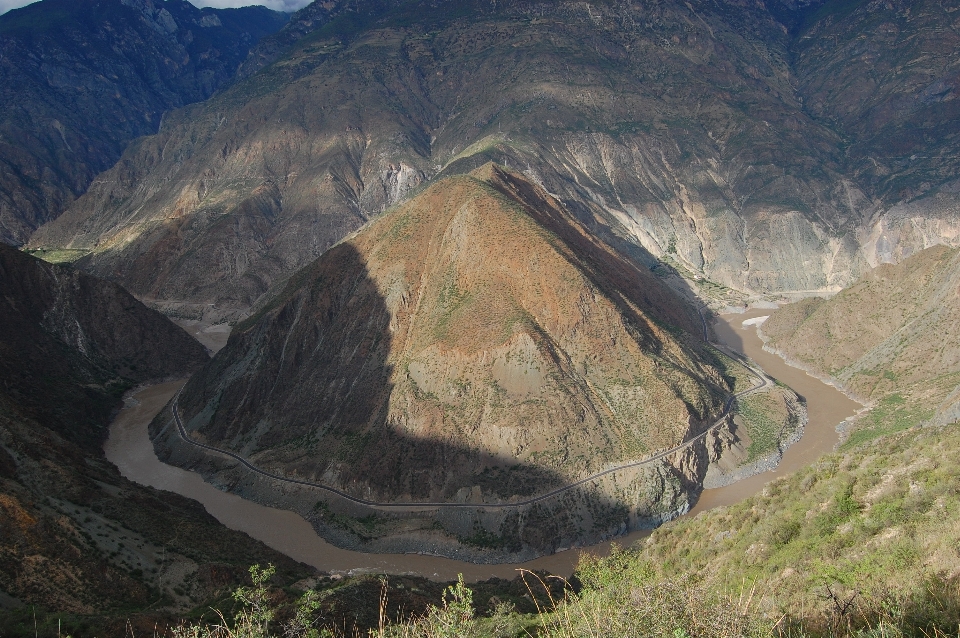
(83, 78)
(699, 184)
(418, 361)
(707, 135)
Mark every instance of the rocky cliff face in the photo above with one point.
(890, 339)
(80, 79)
(475, 344)
(680, 129)
(74, 535)
(884, 76)
(710, 135)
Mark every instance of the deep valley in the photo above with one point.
(639, 317)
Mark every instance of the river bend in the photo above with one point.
(130, 449)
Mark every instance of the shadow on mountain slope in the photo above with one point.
(472, 346)
(75, 536)
(72, 344)
(314, 381)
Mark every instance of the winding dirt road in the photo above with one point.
(131, 449)
(762, 382)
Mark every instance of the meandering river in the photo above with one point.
(130, 449)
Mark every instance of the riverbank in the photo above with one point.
(827, 408)
(131, 450)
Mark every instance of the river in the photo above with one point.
(130, 449)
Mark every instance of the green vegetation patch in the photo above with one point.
(767, 419)
(364, 527)
(484, 539)
(878, 524)
(58, 255)
(893, 413)
(735, 373)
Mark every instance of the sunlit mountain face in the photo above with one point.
(721, 140)
(470, 257)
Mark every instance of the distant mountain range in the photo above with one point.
(756, 149)
(79, 79)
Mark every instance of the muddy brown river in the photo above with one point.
(827, 407)
(130, 449)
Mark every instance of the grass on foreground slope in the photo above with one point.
(863, 543)
(860, 538)
(651, 608)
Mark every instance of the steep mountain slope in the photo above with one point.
(884, 76)
(310, 18)
(74, 535)
(675, 126)
(476, 343)
(81, 78)
(892, 339)
(58, 337)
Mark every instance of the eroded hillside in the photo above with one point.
(891, 339)
(708, 134)
(475, 345)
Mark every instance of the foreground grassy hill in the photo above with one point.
(866, 541)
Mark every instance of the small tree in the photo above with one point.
(255, 616)
(454, 618)
(301, 625)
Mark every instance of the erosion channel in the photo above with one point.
(130, 448)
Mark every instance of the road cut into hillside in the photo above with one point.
(130, 448)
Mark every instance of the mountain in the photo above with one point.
(68, 335)
(79, 79)
(884, 76)
(476, 344)
(75, 536)
(890, 340)
(704, 132)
